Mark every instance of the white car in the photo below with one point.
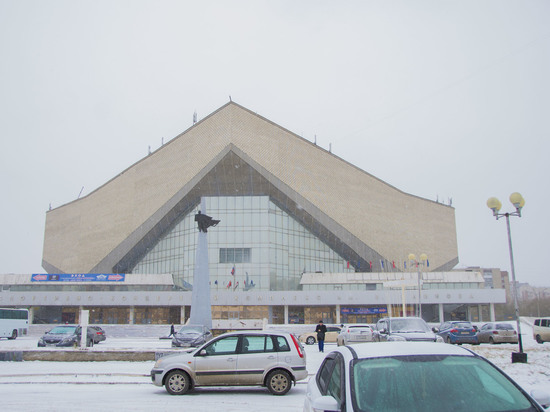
(414, 376)
(271, 359)
(354, 333)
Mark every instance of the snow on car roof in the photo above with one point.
(382, 349)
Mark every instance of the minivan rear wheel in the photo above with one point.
(539, 339)
(177, 383)
(279, 382)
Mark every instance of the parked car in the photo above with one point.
(497, 333)
(310, 338)
(354, 333)
(457, 332)
(65, 336)
(400, 329)
(541, 330)
(97, 333)
(191, 336)
(271, 359)
(413, 376)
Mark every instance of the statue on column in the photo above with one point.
(204, 221)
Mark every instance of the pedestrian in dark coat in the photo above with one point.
(321, 329)
(172, 331)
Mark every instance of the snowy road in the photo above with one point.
(126, 386)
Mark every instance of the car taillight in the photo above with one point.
(298, 348)
(454, 330)
(495, 332)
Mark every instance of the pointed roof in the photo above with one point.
(234, 151)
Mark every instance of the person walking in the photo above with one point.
(321, 329)
(172, 331)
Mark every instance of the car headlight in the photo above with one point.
(396, 338)
(158, 363)
(69, 339)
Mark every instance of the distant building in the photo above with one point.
(292, 216)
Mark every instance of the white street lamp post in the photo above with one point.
(494, 204)
(423, 260)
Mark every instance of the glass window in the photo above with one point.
(334, 388)
(224, 346)
(234, 255)
(323, 377)
(282, 344)
(256, 344)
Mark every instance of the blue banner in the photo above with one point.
(78, 277)
(364, 311)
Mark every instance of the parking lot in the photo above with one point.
(115, 385)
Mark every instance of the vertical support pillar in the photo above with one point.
(182, 315)
(480, 312)
(285, 320)
(338, 322)
(132, 315)
(441, 313)
(31, 315)
(492, 311)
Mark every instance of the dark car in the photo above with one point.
(65, 336)
(97, 334)
(191, 336)
(457, 332)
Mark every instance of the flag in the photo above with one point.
(393, 263)
(229, 285)
(427, 263)
(348, 264)
(405, 264)
(370, 264)
(233, 270)
(382, 264)
(215, 282)
(236, 285)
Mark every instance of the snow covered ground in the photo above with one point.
(126, 386)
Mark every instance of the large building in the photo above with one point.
(288, 208)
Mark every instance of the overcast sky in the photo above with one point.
(441, 99)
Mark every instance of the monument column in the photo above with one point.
(201, 311)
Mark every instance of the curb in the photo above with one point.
(77, 356)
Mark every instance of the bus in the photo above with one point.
(13, 322)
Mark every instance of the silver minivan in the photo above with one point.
(266, 358)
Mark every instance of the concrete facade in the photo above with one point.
(109, 229)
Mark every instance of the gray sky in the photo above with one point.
(441, 99)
